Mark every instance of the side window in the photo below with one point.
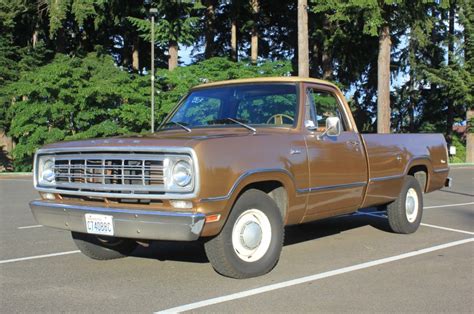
(324, 105)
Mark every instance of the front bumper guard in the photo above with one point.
(128, 223)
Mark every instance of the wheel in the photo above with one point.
(103, 247)
(404, 214)
(250, 242)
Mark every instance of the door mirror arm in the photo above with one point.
(333, 128)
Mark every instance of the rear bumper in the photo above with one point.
(128, 223)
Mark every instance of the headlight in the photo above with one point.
(179, 174)
(182, 175)
(46, 170)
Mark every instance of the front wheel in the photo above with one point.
(404, 214)
(250, 243)
(103, 247)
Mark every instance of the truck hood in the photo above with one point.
(171, 138)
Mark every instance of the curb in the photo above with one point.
(461, 165)
(15, 174)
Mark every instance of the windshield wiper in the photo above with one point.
(178, 124)
(248, 127)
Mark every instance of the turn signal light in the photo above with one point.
(213, 218)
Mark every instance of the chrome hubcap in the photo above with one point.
(411, 205)
(251, 235)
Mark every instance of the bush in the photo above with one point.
(78, 98)
(460, 145)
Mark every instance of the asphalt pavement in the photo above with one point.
(345, 264)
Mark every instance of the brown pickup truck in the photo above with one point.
(233, 164)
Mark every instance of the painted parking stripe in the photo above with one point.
(383, 215)
(293, 282)
(448, 205)
(13, 260)
(29, 227)
(447, 229)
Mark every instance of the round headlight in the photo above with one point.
(182, 173)
(48, 171)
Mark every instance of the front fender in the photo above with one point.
(223, 204)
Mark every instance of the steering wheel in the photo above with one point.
(279, 118)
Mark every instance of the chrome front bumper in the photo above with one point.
(128, 223)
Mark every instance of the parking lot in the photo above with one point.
(345, 264)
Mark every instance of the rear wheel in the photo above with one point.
(103, 247)
(250, 243)
(404, 214)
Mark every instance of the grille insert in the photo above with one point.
(110, 172)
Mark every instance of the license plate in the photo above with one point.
(99, 224)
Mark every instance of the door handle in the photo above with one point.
(353, 143)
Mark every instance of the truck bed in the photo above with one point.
(392, 156)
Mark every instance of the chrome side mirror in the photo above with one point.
(309, 124)
(333, 127)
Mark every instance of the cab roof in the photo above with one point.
(277, 79)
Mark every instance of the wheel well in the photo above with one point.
(420, 173)
(275, 190)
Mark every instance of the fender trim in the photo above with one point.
(241, 178)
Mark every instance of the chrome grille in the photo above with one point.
(110, 172)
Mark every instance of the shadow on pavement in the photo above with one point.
(458, 193)
(193, 252)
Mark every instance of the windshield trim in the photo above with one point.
(286, 126)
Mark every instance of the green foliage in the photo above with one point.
(460, 145)
(73, 98)
(175, 22)
(88, 89)
(78, 98)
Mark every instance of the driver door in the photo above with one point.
(337, 164)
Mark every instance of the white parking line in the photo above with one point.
(382, 215)
(448, 205)
(447, 229)
(37, 257)
(293, 282)
(29, 227)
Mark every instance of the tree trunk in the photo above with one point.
(326, 55)
(383, 81)
(326, 63)
(34, 38)
(233, 40)
(173, 55)
(411, 92)
(61, 41)
(450, 104)
(254, 39)
(303, 53)
(209, 35)
(136, 54)
(470, 136)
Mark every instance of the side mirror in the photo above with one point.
(333, 127)
(309, 124)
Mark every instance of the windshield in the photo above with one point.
(255, 104)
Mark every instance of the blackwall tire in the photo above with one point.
(251, 241)
(103, 248)
(405, 213)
